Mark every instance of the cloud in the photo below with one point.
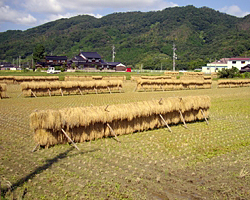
(45, 6)
(91, 6)
(14, 16)
(234, 10)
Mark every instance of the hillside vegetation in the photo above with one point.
(200, 34)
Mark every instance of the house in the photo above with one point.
(226, 63)
(8, 66)
(55, 60)
(245, 69)
(215, 66)
(87, 60)
(238, 62)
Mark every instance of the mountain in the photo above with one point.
(200, 35)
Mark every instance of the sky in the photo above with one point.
(25, 14)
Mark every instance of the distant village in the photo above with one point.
(93, 61)
(85, 60)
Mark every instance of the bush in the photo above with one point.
(229, 73)
(247, 75)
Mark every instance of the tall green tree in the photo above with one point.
(38, 53)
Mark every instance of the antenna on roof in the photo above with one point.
(113, 53)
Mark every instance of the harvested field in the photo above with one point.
(200, 162)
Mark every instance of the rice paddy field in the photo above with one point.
(200, 162)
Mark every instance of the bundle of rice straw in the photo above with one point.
(3, 90)
(68, 87)
(89, 123)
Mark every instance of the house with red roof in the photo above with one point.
(238, 62)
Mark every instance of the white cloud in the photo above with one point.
(44, 6)
(14, 16)
(90, 6)
(234, 10)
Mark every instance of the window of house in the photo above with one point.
(208, 68)
(216, 68)
(242, 62)
(234, 62)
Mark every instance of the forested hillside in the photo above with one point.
(200, 35)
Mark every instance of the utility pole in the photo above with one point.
(19, 61)
(113, 53)
(32, 61)
(174, 56)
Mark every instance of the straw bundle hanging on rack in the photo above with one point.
(7, 79)
(3, 90)
(21, 79)
(69, 87)
(168, 73)
(89, 123)
(233, 83)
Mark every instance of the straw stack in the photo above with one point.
(185, 82)
(233, 83)
(169, 73)
(21, 79)
(193, 73)
(7, 79)
(3, 90)
(91, 78)
(89, 123)
(69, 87)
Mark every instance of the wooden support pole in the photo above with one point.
(95, 90)
(33, 93)
(80, 91)
(106, 109)
(182, 118)
(165, 123)
(70, 140)
(38, 145)
(61, 91)
(160, 101)
(113, 132)
(19, 94)
(109, 90)
(204, 116)
(135, 88)
(49, 93)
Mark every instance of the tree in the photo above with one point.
(38, 53)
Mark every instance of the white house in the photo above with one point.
(238, 62)
(226, 63)
(215, 66)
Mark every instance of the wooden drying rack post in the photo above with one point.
(70, 140)
(110, 128)
(182, 118)
(33, 93)
(204, 116)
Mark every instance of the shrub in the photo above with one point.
(229, 73)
